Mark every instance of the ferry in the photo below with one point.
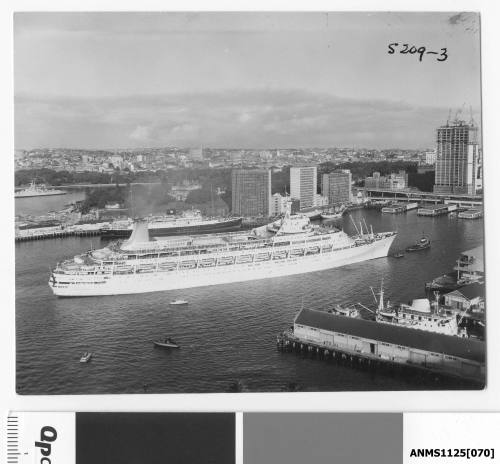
(35, 190)
(190, 222)
(140, 265)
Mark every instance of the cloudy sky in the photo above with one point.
(108, 80)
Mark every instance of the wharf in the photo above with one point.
(287, 342)
(371, 344)
(55, 232)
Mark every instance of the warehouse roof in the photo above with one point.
(470, 291)
(464, 348)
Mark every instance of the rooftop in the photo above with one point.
(464, 348)
(434, 207)
(470, 291)
(476, 252)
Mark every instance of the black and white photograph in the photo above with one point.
(231, 202)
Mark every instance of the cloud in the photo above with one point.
(258, 118)
(141, 133)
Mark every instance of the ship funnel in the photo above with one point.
(140, 234)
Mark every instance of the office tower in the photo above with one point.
(336, 186)
(458, 160)
(251, 194)
(303, 185)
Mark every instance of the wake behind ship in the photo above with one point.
(287, 247)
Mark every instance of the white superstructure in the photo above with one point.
(188, 218)
(35, 190)
(422, 314)
(291, 246)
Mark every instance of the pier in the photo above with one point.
(408, 195)
(367, 344)
(45, 233)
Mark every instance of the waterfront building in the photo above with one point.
(371, 340)
(458, 160)
(320, 200)
(251, 192)
(336, 186)
(303, 184)
(278, 204)
(470, 265)
(436, 210)
(395, 181)
(472, 213)
(469, 297)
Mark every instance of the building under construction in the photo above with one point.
(458, 160)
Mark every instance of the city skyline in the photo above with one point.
(257, 80)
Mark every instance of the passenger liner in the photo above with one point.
(286, 247)
(191, 222)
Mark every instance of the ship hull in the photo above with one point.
(31, 195)
(224, 226)
(98, 285)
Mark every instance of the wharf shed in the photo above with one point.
(453, 355)
(467, 297)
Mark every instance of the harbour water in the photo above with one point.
(44, 204)
(227, 333)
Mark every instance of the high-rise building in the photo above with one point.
(303, 185)
(320, 200)
(336, 186)
(251, 195)
(458, 159)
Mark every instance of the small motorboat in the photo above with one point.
(178, 303)
(86, 357)
(166, 343)
(398, 255)
(421, 244)
(348, 311)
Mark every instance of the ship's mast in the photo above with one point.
(354, 224)
(381, 300)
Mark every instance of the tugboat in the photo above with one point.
(420, 245)
(166, 343)
(86, 357)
